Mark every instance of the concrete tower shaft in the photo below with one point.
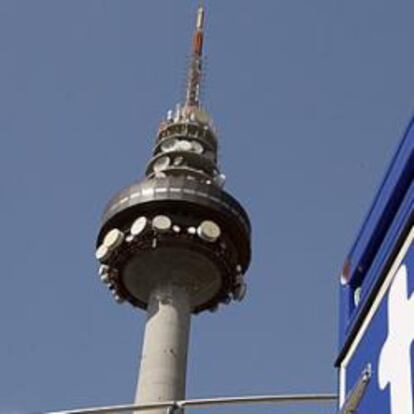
(175, 243)
(165, 348)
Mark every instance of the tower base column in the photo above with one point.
(163, 364)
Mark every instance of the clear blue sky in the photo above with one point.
(311, 99)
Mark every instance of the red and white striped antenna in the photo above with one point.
(196, 64)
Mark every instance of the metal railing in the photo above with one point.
(174, 406)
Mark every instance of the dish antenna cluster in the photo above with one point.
(175, 243)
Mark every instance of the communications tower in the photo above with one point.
(175, 243)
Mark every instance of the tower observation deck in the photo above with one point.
(175, 243)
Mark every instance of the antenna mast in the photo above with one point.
(196, 64)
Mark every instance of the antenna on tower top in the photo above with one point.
(200, 18)
(196, 63)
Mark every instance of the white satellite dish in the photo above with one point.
(161, 164)
(138, 226)
(169, 145)
(113, 239)
(102, 253)
(184, 145)
(103, 269)
(220, 180)
(178, 161)
(209, 231)
(161, 223)
(197, 147)
(105, 278)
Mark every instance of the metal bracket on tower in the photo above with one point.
(355, 396)
(175, 408)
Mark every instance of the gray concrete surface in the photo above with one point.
(163, 364)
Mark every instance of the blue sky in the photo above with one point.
(310, 98)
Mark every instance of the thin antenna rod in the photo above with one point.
(195, 71)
